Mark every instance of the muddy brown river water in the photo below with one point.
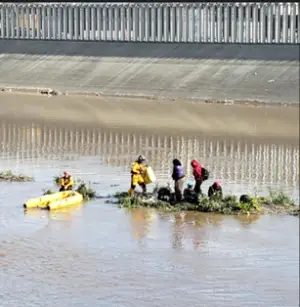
(100, 255)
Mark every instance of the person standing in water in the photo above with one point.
(137, 170)
(179, 179)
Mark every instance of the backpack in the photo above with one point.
(205, 174)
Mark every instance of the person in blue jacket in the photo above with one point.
(179, 179)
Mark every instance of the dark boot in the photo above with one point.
(143, 186)
(197, 188)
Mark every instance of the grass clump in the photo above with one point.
(56, 180)
(163, 198)
(47, 192)
(279, 198)
(86, 191)
(9, 176)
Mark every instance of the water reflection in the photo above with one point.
(229, 161)
(247, 220)
(141, 222)
(177, 232)
(63, 215)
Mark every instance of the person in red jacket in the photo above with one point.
(197, 173)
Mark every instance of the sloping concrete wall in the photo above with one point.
(267, 73)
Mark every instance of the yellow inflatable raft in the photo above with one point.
(72, 200)
(42, 201)
(55, 200)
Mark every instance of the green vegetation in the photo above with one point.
(277, 202)
(279, 198)
(47, 192)
(9, 176)
(56, 179)
(86, 191)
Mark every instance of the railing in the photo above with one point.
(236, 22)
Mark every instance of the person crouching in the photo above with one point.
(189, 194)
(215, 191)
(66, 182)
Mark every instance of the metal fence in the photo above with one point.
(234, 22)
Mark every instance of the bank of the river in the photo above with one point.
(222, 72)
(267, 122)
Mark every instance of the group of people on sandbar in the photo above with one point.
(189, 193)
(193, 190)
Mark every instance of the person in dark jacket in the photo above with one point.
(215, 190)
(245, 199)
(189, 194)
(179, 179)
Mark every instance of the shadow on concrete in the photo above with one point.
(152, 50)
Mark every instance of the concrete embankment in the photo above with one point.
(265, 73)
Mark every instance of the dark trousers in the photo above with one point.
(142, 185)
(197, 187)
(67, 189)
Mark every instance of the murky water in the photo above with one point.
(99, 255)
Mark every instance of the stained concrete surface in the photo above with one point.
(266, 73)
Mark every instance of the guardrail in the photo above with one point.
(235, 22)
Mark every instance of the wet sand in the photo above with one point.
(267, 122)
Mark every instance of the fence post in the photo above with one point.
(235, 22)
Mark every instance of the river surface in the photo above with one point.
(99, 255)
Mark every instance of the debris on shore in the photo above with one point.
(10, 177)
(161, 198)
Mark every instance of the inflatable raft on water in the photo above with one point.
(55, 201)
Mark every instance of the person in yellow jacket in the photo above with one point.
(137, 170)
(66, 182)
